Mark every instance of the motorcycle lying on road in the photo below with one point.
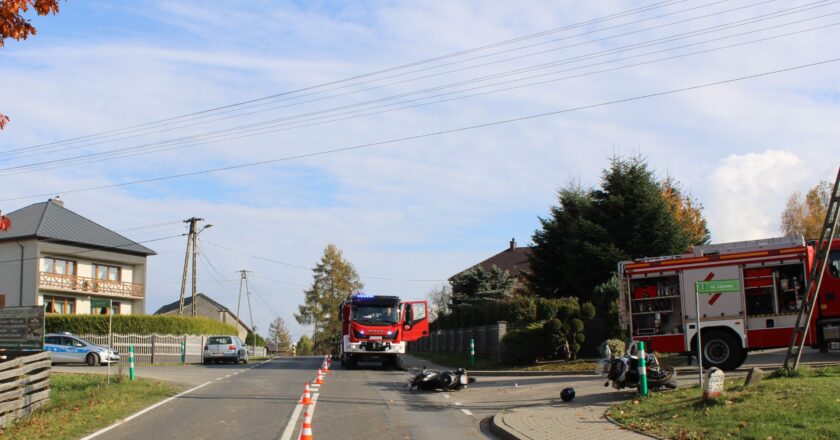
(444, 380)
(623, 371)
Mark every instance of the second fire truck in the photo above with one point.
(658, 299)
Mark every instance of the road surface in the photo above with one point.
(257, 402)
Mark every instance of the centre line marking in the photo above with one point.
(466, 411)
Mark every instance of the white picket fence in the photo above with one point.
(160, 349)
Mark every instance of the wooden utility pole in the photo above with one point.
(191, 249)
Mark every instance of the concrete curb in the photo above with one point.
(620, 425)
(497, 427)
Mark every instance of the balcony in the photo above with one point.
(74, 283)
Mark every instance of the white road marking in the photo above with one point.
(290, 426)
(447, 395)
(147, 409)
(457, 403)
(466, 411)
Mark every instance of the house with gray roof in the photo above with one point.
(208, 308)
(54, 257)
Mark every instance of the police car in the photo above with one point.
(67, 347)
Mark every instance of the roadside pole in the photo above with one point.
(110, 337)
(131, 362)
(643, 385)
(472, 352)
(699, 342)
(183, 353)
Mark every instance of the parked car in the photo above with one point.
(67, 348)
(224, 349)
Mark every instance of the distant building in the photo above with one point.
(514, 259)
(54, 257)
(208, 308)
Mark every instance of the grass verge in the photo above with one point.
(82, 403)
(803, 405)
(455, 360)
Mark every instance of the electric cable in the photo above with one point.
(428, 134)
(389, 69)
(230, 135)
(156, 146)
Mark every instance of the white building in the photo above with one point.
(54, 257)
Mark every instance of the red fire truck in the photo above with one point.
(376, 328)
(766, 286)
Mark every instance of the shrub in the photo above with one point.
(522, 309)
(141, 324)
(522, 347)
(547, 308)
(616, 347)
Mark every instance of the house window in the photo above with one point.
(104, 310)
(59, 266)
(106, 273)
(60, 305)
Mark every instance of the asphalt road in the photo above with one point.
(257, 402)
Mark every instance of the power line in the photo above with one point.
(17, 260)
(378, 72)
(271, 260)
(285, 98)
(426, 135)
(232, 132)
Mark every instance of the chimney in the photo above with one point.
(57, 200)
(512, 244)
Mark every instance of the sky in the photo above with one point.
(407, 213)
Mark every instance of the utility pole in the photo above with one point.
(192, 237)
(243, 281)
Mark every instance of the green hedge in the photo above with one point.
(142, 324)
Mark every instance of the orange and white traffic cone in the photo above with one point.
(306, 431)
(319, 380)
(307, 396)
(326, 367)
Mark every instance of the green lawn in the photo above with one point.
(455, 360)
(81, 404)
(806, 407)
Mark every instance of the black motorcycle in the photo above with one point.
(623, 372)
(440, 380)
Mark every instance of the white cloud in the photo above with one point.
(750, 190)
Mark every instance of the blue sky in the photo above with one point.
(422, 209)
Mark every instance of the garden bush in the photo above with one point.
(140, 324)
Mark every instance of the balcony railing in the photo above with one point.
(75, 283)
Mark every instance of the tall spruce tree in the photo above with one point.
(590, 231)
(334, 278)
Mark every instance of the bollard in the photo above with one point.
(183, 353)
(472, 352)
(643, 386)
(131, 362)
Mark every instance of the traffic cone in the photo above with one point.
(306, 431)
(318, 379)
(307, 396)
(326, 367)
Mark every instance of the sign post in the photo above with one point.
(643, 385)
(109, 304)
(472, 352)
(707, 287)
(131, 362)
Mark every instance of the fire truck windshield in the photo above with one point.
(376, 314)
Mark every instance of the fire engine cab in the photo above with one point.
(758, 310)
(376, 328)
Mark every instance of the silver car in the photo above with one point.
(67, 347)
(224, 349)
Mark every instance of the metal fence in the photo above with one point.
(24, 386)
(160, 349)
(487, 339)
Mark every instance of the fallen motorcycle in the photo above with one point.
(623, 371)
(444, 380)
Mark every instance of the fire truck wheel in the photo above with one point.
(397, 363)
(720, 349)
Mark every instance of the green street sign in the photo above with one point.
(99, 303)
(718, 286)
